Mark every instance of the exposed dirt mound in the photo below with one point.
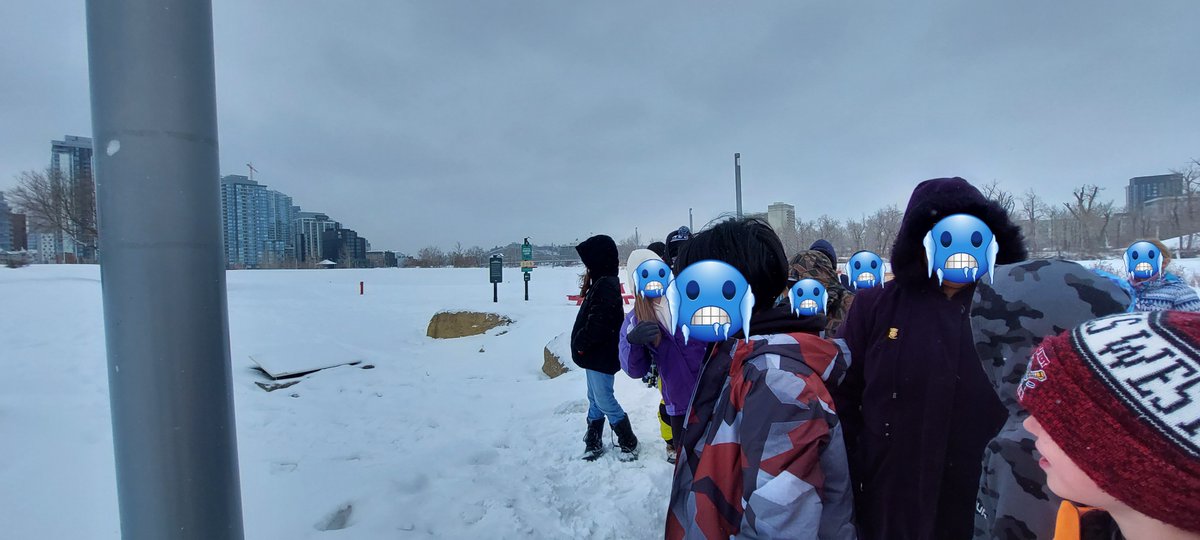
(456, 324)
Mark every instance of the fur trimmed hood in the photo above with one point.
(935, 199)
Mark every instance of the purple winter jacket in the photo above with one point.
(678, 364)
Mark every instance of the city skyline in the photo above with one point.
(553, 121)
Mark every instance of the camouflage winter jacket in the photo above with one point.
(812, 264)
(1025, 303)
(762, 454)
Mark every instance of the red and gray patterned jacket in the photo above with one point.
(762, 453)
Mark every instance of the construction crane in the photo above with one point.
(252, 170)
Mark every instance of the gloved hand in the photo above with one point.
(642, 334)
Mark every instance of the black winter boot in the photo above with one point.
(593, 440)
(626, 440)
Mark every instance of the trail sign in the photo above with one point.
(526, 256)
(496, 265)
(526, 264)
(496, 271)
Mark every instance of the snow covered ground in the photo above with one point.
(439, 440)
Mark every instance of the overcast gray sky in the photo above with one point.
(436, 122)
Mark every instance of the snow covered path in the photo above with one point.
(438, 440)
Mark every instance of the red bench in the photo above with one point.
(627, 298)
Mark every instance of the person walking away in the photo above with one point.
(916, 405)
(1114, 406)
(761, 453)
(594, 346)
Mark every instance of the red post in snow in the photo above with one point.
(360, 288)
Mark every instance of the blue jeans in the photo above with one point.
(601, 401)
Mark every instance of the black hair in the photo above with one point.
(751, 246)
(659, 249)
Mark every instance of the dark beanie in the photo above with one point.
(825, 247)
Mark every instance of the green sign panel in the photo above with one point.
(526, 258)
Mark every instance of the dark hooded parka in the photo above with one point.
(917, 408)
(594, 336)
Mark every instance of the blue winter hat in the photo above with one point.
(825, 247)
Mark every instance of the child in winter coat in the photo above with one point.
(645, 339)
(594, 345)
(1115, 407)
(1164, 291)
(761, 453)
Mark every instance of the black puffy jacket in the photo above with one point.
(595, 334)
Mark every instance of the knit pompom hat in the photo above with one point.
(1121, 396)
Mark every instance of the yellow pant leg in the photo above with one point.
(664, 424)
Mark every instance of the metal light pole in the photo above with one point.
(154, 123)
(737, 175)
(691, 227)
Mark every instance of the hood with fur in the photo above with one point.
(933, 200)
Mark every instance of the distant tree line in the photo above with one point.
(1090, 224)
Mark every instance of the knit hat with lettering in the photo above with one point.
(1121, 396)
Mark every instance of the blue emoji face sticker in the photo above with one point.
(1143, 260)
(710, 301)
(653, 276)
(961, 249)
(808, 297)
(865, 269)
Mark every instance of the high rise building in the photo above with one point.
(72, 159)
(281, 236)
(244, 221)
(344, 247)
(781, 217)
(308, 229)
(1146, 188)
(6, 237)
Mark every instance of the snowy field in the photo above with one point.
(439, 440)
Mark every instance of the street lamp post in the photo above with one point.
(737, 175)
(154, 122)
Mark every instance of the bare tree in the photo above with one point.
(806, 234)
(1092, 216)
(1185, 218)
(830, 229)
(430, 257)
(1032, 210)
(994, 192)
(856, 233)
(882, 227)
(55, 204)
(625, 247)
